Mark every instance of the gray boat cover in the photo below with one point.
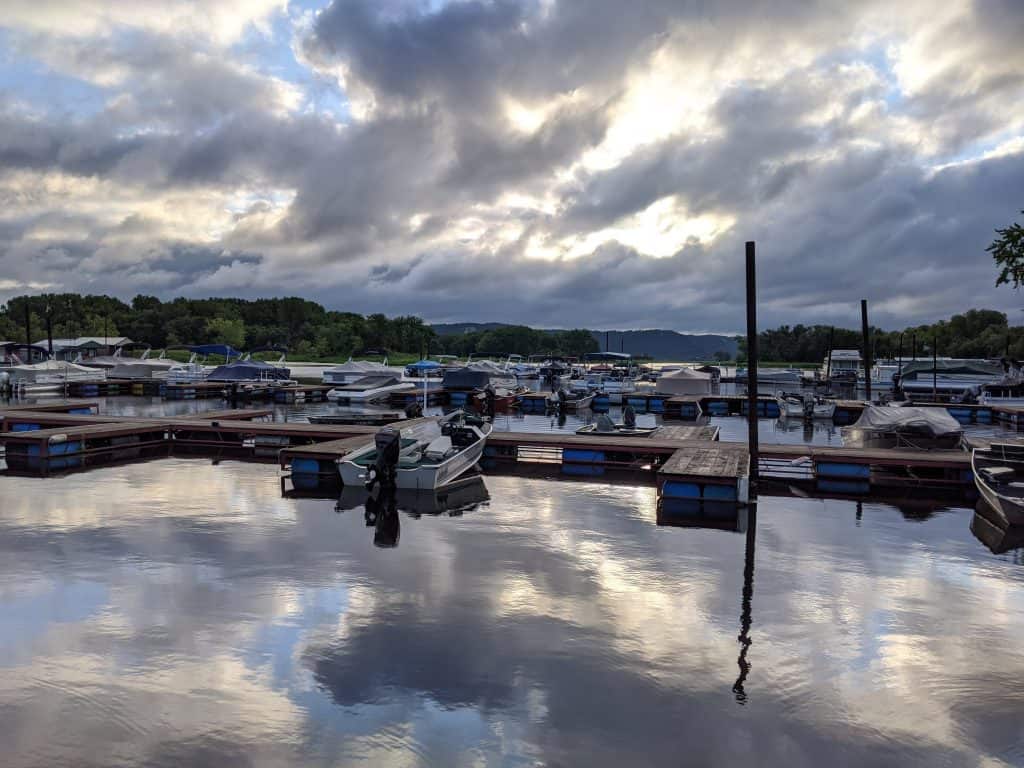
(927, 422)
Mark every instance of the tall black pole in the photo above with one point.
(607, 342)
(752, 354)
(897, 380)
(831, 341)
(913, 347)
(105, 319)
(622, 342)
(935, 367)
(28, 331)
(49, 329)
(867, 347)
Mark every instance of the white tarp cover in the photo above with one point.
(685, 381)
(930, 422)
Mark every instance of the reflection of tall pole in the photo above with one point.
(745, 613)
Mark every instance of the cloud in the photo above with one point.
(549, 162)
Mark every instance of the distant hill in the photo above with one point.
(659, 344)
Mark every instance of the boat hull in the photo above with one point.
(1009, 508)
(422, 476)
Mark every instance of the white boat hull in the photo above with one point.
(368, 395)
(422, 476)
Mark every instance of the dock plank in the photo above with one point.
(720, 461)
(678, 432)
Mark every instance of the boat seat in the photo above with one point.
(1000, 474)
(438, 448)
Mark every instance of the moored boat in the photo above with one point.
(570, 400)
(999, 476)
(370, 388)
(881, 426)
(605, 426)
(430, 453)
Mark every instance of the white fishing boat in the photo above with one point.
(999, 475)
(430, 453)
(790, 406)
(823, 408)
(570, 400)
(370, 388)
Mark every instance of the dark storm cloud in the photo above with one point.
(828, 160)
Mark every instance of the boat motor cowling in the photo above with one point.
(388, 444)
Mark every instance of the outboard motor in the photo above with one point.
(489, 396)
(413, 410)
(629, 417)
(388, 443)
(561, 399)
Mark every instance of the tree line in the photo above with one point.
(305, 328)
(977, 333)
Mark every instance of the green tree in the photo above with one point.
(226, 330)
(1008, 251)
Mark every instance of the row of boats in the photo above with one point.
(573, 385)
(50, 376)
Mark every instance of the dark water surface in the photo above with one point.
(183, 613)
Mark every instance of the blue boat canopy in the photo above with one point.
(424, 365)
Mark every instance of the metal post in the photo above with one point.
(935, 367)
(897, 383)
(831, 341)
(28, 331)
(49, 329)
(913, 347)
(607, 343)
(866, 343)
(752, 354)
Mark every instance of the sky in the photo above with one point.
(590, 163)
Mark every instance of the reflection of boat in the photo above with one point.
(369, 388)
(605, 426)
(431, 453)
(463, 495)
(993, 532)
(999, 475)
(906, 427)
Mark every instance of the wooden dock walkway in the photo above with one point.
(688, 461)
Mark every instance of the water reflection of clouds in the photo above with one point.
(557, 624)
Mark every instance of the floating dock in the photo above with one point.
(688, 461)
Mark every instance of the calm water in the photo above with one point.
(185, 613)
(732, 427)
